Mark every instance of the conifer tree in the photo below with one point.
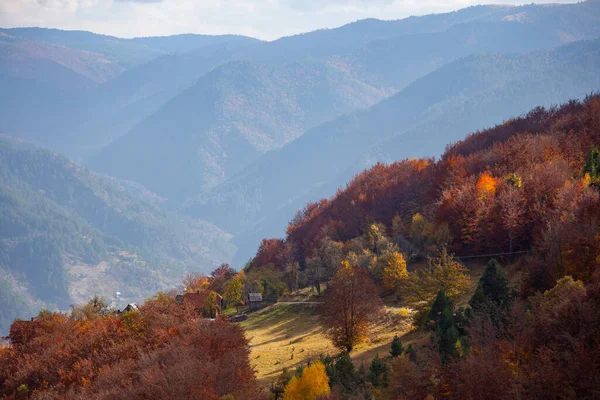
(378, 372)
(397, 348)
(447, 334)
(444, 326)
(411, 353)
(592, 163)
(493, 293)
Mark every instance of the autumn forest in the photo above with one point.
(404, 208)
(522, 198)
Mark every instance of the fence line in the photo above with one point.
(493, 255)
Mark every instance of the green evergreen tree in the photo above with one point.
(592, 163)
(411, 353)
(397, 348)
(378, 372)
(493, 294)
(447, 334)
(437, 307)
(362, 372)
(346, 372)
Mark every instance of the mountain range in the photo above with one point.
(342, 65)
(128, 162)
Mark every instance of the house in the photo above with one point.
(198, 300)
(23, 331)
(255, 301)
(131, 307)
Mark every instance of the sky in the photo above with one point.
(263, 19)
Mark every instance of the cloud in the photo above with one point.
(138, 1)
(265, 19)
(317, 5)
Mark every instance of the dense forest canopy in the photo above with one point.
(509, 188)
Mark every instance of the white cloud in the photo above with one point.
(266, 19)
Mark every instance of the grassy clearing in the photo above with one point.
(286, 336)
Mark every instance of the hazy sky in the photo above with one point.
(265, 19)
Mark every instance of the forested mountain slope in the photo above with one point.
(525, 192)
(501, 189)
(67, 233)
(476, 91)
(227, 119)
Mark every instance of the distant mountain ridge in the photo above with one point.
(67, 78)
(177, 149)
(126, 52)
(160, 68)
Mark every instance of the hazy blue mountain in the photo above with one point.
(126, 52)
(568, 21)
(227, 119)
(385, 54)
(117, 106)
(59, 66)
(41, 85)
(352, 36)
(471, 93)
(82, 95)
(399, 61)
(192, 143)
(67, 233)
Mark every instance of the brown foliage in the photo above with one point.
(161, 351)
(217, 281)
(270, 251)
(549, 351)
(349, 306)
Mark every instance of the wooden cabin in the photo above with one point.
(255, 301)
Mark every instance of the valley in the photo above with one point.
(386, 209)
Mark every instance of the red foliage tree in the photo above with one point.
(217, 281)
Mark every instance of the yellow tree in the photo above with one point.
(312, 384)
(195, 282)
(394, 270)
(210, 304)
(233, 290)
(445, 273)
